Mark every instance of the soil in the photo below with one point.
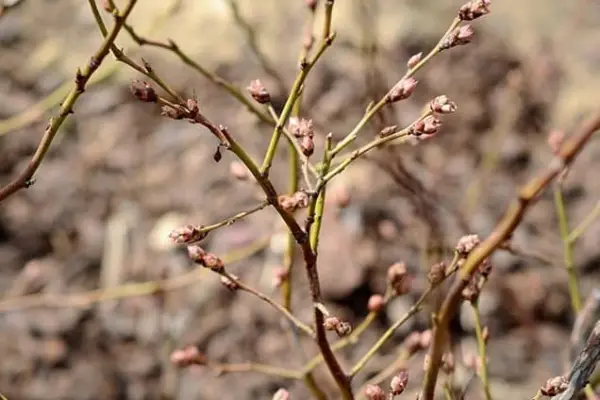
(119, 177)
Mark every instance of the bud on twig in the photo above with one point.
(300, 127)
(402, 90)
(459, 36)
(294, 202)
(442, 105)
(398, 278)
(399, 382)
(466, 244)
(376, 303)
(173, 113)
(258, 92)
(437, 273)
(374, 392)
(388, 130)
(427, 126)
(143, 91)
(307, 145)
(187, 234)
(474, 9)
(342, 328)
(554, 386)
(414, 60)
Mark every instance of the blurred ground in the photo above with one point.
(119, 177)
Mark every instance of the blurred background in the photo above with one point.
(119, 177)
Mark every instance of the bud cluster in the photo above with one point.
(473, 289)
(259, 92)
(342, 328)
(143, 91)
(554, 386)
(188, 234)
(426, 127)
(294, 202)
(208, 260)
(401, 90)
(398, 278)
(474, 9)
(303, 130)
(458, 37)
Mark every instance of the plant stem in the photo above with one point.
(231, 220)
(584, 225)
(482, 351)
(561, 213)
(254, 367)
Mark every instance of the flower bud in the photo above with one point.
(307, 145)
(143, 91)
(402, 90)
(374, 392)
(554, 386)
(459, 36)
(388, 130)
(399, 382)
(258, 92)
(428, 126)
(300, 127)
(466, 244)
(442, 105)
(187, 234)
(414, 60)
(474, 9)
(376, 303)
(436, 273)
(397, 277)
(196, 253)
(211, 261)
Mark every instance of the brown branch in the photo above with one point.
(82, 76)
(512, 218)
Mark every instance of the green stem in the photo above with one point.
(584, 225)
(482, 351)
(390, 332)
(567, 249)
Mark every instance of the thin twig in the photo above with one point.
(481, 347)
(82, 77)
(254, 367)
(584, 225)
(242, 286)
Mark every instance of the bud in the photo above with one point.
(466, 244)
(474, 9)
(187, 356)
(193, 107)
(143, 91)
(414, 60)
(211, 261)
(196, 253)
(330, 323)
(238, 171)
(442, 105)
(307, 145)
(187, 234)
(374, 392)
(485, 268)
(399, 382)
(402, 90)
(428, 126)
(376, 303)
(258, 92)
(436, 273)
(554, 386)
(473, 289)
(281, 394)
(230, 284)
(398, 279)
(459, 36)
(388, 130)
(300, 127)
(294, 202)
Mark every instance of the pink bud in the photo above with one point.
(399, 382)
(442, 105)
(414, 60)
(374, 392)
(402, 90)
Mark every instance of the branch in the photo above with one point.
(82, 77)
(513, 216)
